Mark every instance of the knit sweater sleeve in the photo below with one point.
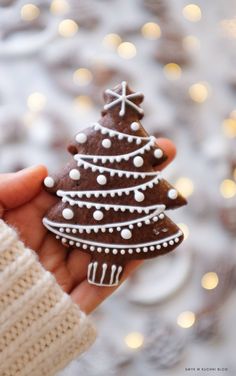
(41, 329)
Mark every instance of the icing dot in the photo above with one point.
(114, 251)
(135, 126)
(165, 244)
(106, 143)
(122, 251)
(67, 213)
(126, 234)
(74, 174)
(158, 153)
(49, 182)
(172, 194)
(138, 161)
(98, 215)
(81, 138)
(101, 179)
(139, 196)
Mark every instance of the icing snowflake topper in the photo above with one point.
(124, 98)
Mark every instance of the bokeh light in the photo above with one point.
(36, 102)
(210, 281)
(228, 188)
(134, 340)
(83, 103)
(82, 77)
(199, 92)
(29, 12)
(184, 228)
(192, 12)
(172, 71)
(185, 186)
(186, 319)
(59, 7)
(151, 30)
(111, 41)
(229, 127)
(127, 50)
(67, 28)
(191, 43)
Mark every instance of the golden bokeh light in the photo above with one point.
(184, 228)
(228, 27)
(228, 188)
(83, 103)
(126, 50)
(186, 319)
(191, 43)
(172, 71)
(229, 127)
(209, 281)
(36, 102)
(185, 186)
(199, 92)
(192, 12)
(82, 77)
(59, 7)
(29, 12)
(134, 340)
(111, 41)
(151, 30)
(67, 28)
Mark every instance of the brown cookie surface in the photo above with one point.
(112, 199)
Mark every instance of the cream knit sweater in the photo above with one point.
(41, 329)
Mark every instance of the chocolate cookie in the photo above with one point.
(112, 196)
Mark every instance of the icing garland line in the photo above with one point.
(120, 246)
(120, 157)
(123, 208)
(112, 171)
(111, 192)
(105, 226)
(120, 135)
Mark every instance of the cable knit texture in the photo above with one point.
(41, 329)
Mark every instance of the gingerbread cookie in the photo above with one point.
(112, 198)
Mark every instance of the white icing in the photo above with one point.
(112, 192)
(74, 174)
(172, 194)
(106, 143)
(101, 179)
(158, 153)
(67, 213)
(113, 133)
(116, 246)
(123, 99)
(126, 234)
(138, 161)
(135, 126)
(118, 274)
(139, 196)
(98, 215)
(104, 268)
(49, 182)
(112, 171)
(118, 158)
(81, 138)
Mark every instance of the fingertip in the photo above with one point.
(169, 149)
(39, 171)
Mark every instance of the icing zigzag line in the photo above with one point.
(131, 209)
(112, 171)
(111, 192)
(154, 216)
(130, 247)
(119, 157)
(120, 135)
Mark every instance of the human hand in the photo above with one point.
(23, 204)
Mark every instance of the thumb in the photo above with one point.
(18, 188)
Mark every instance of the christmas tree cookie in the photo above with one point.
(112, 199)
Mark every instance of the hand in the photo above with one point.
(23, 204)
